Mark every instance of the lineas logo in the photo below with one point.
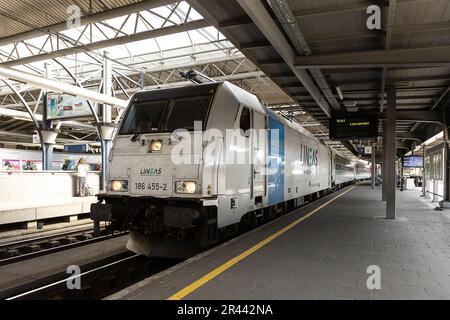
(151, 171)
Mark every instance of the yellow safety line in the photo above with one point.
(200, 282)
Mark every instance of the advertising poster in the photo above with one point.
(63, 106)
(11, 165)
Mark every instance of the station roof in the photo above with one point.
(298, 61)
(331, 41)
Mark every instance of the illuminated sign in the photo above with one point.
(63, 106)
(413, 162)
(76, 148)
(354, 127)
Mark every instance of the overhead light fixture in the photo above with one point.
(341, 96)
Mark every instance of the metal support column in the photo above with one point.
(445, 203)
(401, 173)
(106, 115)
(374, 166)
(390, 171)
(47, 145)
(424, 189)
(383, 165)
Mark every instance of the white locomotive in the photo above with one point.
(180, 181)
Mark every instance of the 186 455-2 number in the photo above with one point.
(152, 186)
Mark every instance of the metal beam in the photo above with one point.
(420, 28)
(188, 26)
(228, 24)
(405, 29)
(287, 20)
(102, 16)
(357, 81)
(18, 134)
(262, 19)
(333, 9)
(414, 57)
(57, 86)
(344, 36)
(408, 136)
(423, 116)
(25, 115)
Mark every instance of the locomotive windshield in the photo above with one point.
(166, 115)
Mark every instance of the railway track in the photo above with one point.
(26, 249)
(97, 279)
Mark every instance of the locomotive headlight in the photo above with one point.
(118, 185)
(155, 146)
(188, 187)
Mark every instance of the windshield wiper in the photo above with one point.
(136, 137)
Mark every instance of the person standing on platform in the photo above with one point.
(82, 169)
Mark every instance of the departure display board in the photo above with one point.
(413, 162)
(355, 127)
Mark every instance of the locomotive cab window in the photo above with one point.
(185, 111)
(144, 117)
(166, 115)
(245, 120)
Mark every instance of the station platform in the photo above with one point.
(31, 211)
(30, 197)
(321, 251)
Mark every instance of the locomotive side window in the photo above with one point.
(185, 111)
(245, 121)
(144, 117)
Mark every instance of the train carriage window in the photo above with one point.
(245, 120)
(185, 111)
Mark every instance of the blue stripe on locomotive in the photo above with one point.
(276, 161)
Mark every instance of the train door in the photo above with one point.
(330, 168)
(245, 169)
(259, 156)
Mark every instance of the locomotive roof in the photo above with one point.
(185, 91)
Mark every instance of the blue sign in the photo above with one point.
(413, 162)
(76, 148)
